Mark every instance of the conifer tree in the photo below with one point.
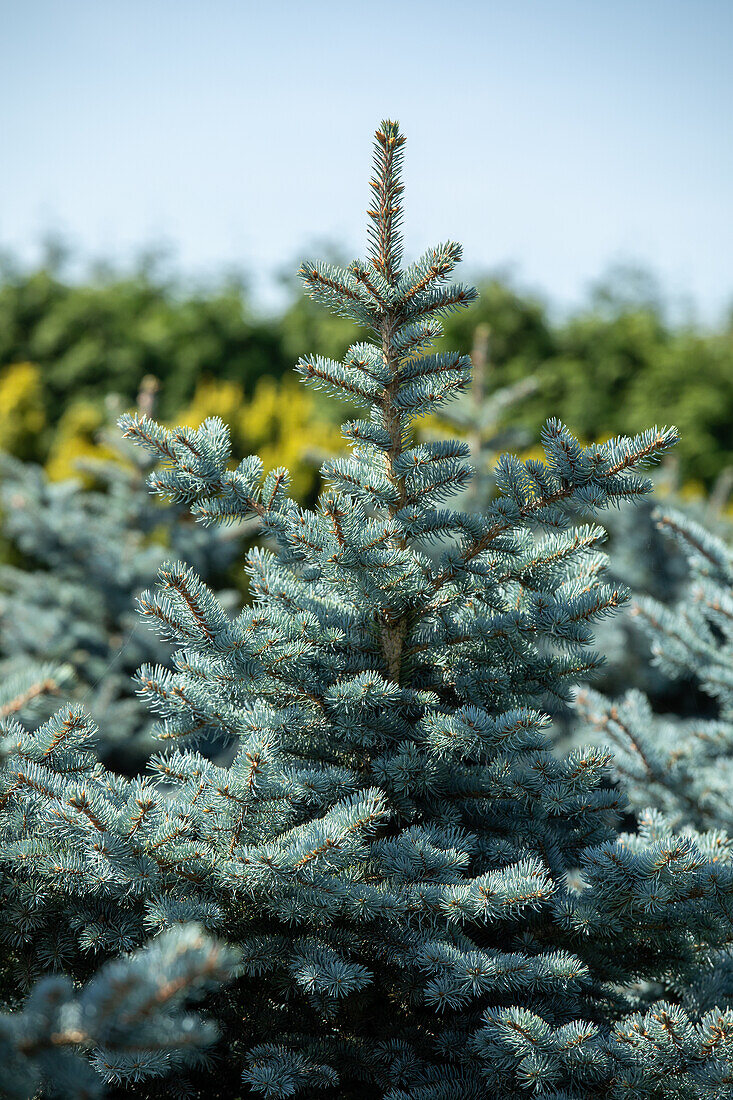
(67, 616)
(480, 419)
(681, 766)
(640, 557)
(429, 903)
(127, 1014)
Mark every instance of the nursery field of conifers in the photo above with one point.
(375, 751)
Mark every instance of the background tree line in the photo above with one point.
(616, 364)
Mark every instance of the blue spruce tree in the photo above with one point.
(65, 1041)
(682, 766)
(639, 556)
(67, 618)
(479, 417)
(428, 902)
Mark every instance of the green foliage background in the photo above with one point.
(615, 365)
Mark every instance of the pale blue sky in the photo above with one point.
(553, 135)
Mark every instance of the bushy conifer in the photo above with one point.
(681, 765)
(78, 558)
(428, 902)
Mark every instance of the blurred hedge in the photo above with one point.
(617, 364)
(107, 334)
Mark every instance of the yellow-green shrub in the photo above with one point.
(76, 439)
(22, 416)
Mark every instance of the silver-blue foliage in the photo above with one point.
(429, 902)
(67, 617)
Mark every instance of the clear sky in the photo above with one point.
(555, 136)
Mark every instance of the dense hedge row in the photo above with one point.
(614, 365)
